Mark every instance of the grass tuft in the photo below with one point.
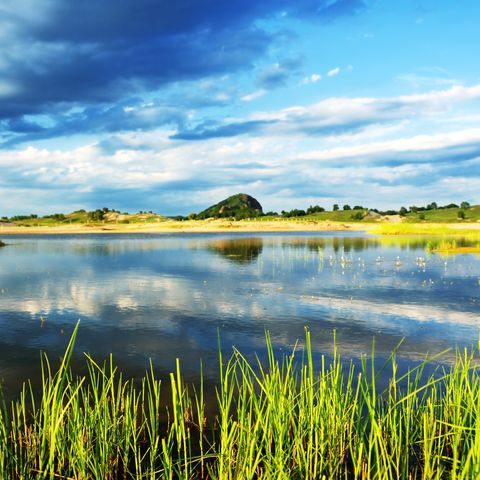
(286, 418)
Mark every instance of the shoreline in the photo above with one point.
(245, 226)
(188, 226)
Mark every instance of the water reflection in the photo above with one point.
(238, 250)
(160, 297)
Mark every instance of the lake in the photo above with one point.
(159, 297)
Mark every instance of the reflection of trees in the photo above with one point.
(238, 250)
(347, 244)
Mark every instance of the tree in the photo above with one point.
(335, 207)
(314, 209)
(347, 207)
(464, 205)
(432, 206)
(461, 215)
(402, 212)
(96, 215)
(358, 215)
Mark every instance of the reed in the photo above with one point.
(286, 418)
(465, 231)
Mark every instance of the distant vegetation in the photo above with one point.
(84, 217)
(243, 206)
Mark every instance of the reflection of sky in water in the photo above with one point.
(166, 296)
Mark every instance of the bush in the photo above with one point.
(314, 209)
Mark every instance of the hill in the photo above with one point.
(239, 206)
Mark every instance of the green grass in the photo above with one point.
(425, 229)
(81, 218)
(447, 215)
(337, 216)
(288, 418)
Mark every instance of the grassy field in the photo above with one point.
(109, 218)
(440, 222)
(286, 419)
(447, 215)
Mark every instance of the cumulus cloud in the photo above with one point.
(339, 116)
(283, 171)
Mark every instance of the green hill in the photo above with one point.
(238, 206)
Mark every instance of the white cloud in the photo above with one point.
(313, 78)
(336, 148)
(333, 72)
(253, 96)
(418, 81)
(419, 144)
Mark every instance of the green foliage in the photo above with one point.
(314, 209)
(347, 207)
(288, 417)
(294, 213)
(96, 215)
(19, 218)
(335, 207)
(358, 215)
(59, 217)
(238, 206)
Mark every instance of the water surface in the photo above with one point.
(168, 296)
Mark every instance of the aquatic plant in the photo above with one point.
(424, 229)
(286, 418)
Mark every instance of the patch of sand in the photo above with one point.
(197, 226)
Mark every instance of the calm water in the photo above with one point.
(168, 296)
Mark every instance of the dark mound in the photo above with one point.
(238, 206)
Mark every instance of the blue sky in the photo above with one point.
(172, 106)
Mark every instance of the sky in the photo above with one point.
(173, 106)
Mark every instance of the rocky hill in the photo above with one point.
(237, 206)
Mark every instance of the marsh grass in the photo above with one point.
(286, 418)
(425, 229)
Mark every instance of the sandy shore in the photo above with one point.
(188, 226)
(205, 226)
